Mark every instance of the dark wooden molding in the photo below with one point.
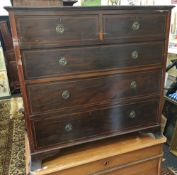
(167, 7)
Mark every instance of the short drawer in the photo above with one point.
(134, 26)
(60, 62)
(92, 91)
(57, 29)
(83, 127)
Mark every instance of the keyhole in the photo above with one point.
(106, 163)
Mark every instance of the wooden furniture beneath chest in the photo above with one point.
(89, 73)
(132, 155)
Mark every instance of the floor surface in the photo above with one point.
(170, 160)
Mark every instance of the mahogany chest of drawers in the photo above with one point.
(89, 73)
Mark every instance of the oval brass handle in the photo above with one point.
(68, 127)
(135, 26)
(60, 28)
(133, 85)
(65, 94)
(134, 54)
(132, 114)
(63, 61)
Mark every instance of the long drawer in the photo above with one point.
(59, 62)
(101, 90)
(129, 162)
(60, 130)
(64, 29)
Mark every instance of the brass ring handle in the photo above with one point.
(135, 26)
(133, 85)
(68, 127)
(132, 114)
(63, 61)
(134, 54)
(65, 94)
(60, 29)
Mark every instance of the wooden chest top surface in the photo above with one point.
(117, 152)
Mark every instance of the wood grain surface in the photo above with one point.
(83, 69)
(130, 154)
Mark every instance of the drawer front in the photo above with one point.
(59, 62)
(95, 91)
(94, 124)
(150, 167)
(134, 26)
(57, 29)
(107, 164)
